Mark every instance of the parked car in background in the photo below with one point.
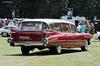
(6, 31)
(54, 34)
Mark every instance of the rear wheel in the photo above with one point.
(85, 47)
(25, 50)
(56, 49)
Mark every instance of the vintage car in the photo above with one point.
(54, 34)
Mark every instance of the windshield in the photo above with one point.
(31, 26)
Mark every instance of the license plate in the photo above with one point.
(26, 43)
(24, 37)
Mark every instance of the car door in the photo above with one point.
(73, 38)
(66, 31)
(58, 39)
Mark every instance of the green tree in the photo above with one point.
(41, 8)
(85, 8)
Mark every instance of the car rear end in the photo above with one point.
(28, 34)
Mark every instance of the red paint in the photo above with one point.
(68, 39)
(28, 36)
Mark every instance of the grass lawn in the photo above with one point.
(11, 56)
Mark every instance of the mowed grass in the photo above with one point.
(11, 56)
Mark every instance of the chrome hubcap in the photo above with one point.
(59, 49)
(86, 45)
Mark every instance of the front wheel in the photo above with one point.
(56, 49)
(85, 47)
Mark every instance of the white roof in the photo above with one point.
(49, 21)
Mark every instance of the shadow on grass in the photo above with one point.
(46, 53)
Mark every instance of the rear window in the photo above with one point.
(31, 26)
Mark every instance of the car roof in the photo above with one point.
(49, 21)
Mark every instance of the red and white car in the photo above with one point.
(54, 34)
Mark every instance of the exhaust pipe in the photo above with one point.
(10, 41)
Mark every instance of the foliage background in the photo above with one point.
(50, 8)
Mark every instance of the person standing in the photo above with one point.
(83, 27)
(79, 28)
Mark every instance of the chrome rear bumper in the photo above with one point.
(28, 43)
(25, 43)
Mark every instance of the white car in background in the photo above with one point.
(5, 31)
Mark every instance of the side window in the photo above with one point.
(73, 28)
(51, 26)
(65, 27)
(44, 26)
(56, 26)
